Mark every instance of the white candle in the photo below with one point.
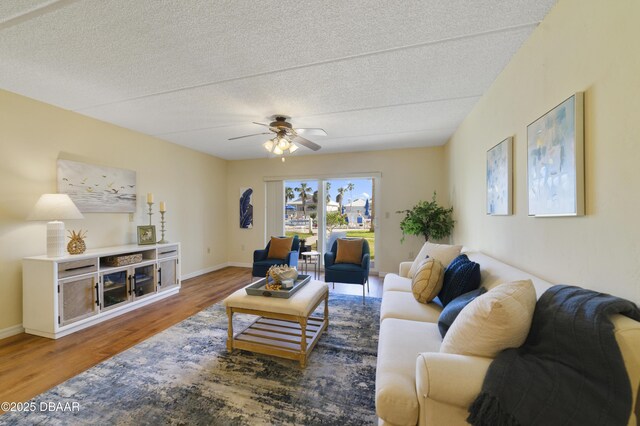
(163, 206)
(149, 197)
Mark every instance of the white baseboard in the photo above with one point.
(240, 264)
(11, 331)
(204, 271)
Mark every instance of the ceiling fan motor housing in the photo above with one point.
(280, 122)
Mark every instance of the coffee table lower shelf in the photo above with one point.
(280, 338)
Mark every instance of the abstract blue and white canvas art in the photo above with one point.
(499, 178)
(98, 189)
(246, 208)
(555, 161)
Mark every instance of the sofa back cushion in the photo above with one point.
(279, 247)
(453, 309)
(461, 276)
(349, 250)
(443, 252)
(427, 282)
(492, 322)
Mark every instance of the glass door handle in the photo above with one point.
(97, 295)
(159, 276)
(132, 284)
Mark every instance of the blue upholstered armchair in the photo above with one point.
(261, 263)
(350, 273)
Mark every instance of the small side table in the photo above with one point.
(313, 258)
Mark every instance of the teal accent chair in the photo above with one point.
(350, 273)
(261, 263)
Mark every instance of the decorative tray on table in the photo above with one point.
(259, 288)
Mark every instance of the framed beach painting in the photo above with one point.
(98, 189)
(500, 178)
(246, 208)
(555, 161)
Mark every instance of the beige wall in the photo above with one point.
(34, 135)
(408, 175)
(582, 45)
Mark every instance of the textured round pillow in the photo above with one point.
(427, 281)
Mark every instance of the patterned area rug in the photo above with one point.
(184, 376)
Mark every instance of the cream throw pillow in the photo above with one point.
(427, 282)
(492, 322)
(443, 252)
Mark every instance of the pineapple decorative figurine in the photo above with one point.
(77, 245)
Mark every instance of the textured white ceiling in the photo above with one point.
(373, 74)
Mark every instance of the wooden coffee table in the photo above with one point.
(284, 327)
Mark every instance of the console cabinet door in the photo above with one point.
(116, 289)
(77, 299)
(144, 283)
(167, 274)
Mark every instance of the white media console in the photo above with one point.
(61, 295)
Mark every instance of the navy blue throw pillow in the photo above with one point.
(461, 276)
(451, 311)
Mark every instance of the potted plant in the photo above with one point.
(428, 219)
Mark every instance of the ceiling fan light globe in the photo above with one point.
(293, 148)
(277, 150)
(283, 144)
(268, 145)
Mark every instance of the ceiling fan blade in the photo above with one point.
(306, 142)
(246, 136)
(260, 124)
(311, 131)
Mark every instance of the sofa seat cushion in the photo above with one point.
(400, 343)
(402, 305)
(394, 282)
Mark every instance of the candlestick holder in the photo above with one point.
(150, 212)
(162, 241)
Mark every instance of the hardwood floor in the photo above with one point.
(30, 365)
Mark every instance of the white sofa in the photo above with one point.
(418, 385)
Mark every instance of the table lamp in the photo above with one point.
(55, 208)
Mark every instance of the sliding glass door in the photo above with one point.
(321, 210)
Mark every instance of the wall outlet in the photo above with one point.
(131, 218)
(386, 215)
(208, 250)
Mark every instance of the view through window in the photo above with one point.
(349, 211)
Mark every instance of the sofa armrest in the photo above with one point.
(404, 269)
(259, 255)
(329, 258)
(450, 379)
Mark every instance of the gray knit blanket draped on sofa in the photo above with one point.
(568, 372)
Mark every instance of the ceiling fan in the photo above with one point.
(286, 136)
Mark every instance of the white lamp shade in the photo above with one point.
(55, 207)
